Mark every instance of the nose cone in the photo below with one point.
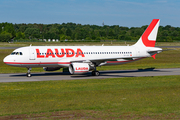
(7, 60)
(12, 61)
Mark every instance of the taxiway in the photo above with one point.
(47, 76)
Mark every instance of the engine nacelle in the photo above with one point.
(79, 68)
(51, 68)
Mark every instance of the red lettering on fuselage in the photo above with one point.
(38, 54)
(79, 53)
(50, 53)
(58, 54)
(82, 68)
(67, 51)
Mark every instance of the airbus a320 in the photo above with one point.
(82, 59)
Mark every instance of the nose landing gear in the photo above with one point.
(28, 74)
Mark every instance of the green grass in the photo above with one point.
(136, 97)
(115, 98)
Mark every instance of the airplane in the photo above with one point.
(82, 59)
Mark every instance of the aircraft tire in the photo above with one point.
(28, 74)
(97, 73)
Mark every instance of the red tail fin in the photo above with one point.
(148, 39)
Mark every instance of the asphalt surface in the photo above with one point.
(9, 47)
(47, 76)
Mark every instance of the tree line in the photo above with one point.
(73, 31)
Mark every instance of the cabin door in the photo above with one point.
(31, 54)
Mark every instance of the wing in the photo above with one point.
(98, 61)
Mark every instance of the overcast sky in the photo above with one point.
(129, 13)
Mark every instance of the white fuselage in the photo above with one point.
(62, 56)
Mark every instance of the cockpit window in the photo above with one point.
(16, 53)
(12, 53)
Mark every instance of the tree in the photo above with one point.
(54, 33)
(111, 34)
(8, 28)
(68, 32)
(20, 35)
(5, 37)
(22, 28)
(32, 33)
(77, 31)
(62, 37)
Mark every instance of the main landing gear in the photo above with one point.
(28, 74)
(95, 72)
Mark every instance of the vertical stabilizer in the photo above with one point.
(148, 38)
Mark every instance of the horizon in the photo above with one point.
(83, 24)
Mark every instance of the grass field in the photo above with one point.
(115, 98)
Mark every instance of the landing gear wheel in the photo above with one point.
(28, 74)
(95, 73)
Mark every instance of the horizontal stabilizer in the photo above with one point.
(155, 50)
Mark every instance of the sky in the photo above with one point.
(127, 13)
